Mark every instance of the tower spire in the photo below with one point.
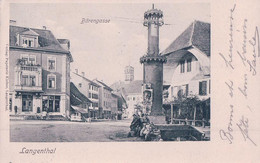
(153, 6)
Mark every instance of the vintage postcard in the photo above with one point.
(130, 81)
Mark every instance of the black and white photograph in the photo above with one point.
(129, 81)
(109, 72)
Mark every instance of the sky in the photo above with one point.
(103, 50)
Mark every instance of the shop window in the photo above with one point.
(27, 103)
(51, 103)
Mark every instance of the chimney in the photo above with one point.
(83, 74)
(44, 27)
(12, 22)
(77, 71)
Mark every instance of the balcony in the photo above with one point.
(28, 67)
(24, 88)
(28, 77)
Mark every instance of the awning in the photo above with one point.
(76, 97)
(78, 109)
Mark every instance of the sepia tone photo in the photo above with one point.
(109, 72)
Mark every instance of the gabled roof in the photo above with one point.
(29, 32)
(46, 39)
(134, 87)
(196, 35)
(93, 83)
(76, 97)
(104, 85)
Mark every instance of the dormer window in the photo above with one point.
(28, 38)
(29, 42)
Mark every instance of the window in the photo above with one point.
(28, 41)
(27, 103)
(89, 87)
(203, 88)
(189, 65)
(180, 92)
(95, 96)
(182, 66)
(32, 80)
(51, 63)
(24, 59)
(80, 84)
(133, 98)
(89, 95)
(28, 59)
(95, 104)
(172, 91)
(51, 81)
(209, 86)
(187, 89)
(25, 80)
(51, 103)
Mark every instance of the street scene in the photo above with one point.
(104, 74)
(65, 131)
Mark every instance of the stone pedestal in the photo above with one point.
(157, 119)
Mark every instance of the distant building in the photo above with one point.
(39, 72)
(129, 74)
(132, 92)
(114, 106)
(90, 89)
(187, 71)
(105, 99)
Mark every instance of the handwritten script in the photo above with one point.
(247, 53)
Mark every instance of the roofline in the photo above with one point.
(44, 50)
(87, 79)
(105, 86)
(185, 48)
(30, 27)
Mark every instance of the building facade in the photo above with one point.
(90, 89)
(132, 93)
(39, 72)
(187, 71)
(79, 104)
(105, 100)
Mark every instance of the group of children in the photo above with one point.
(141, 127)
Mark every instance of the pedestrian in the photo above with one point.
(135, 126)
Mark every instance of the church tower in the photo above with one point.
(129, 74)
(153, 66)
